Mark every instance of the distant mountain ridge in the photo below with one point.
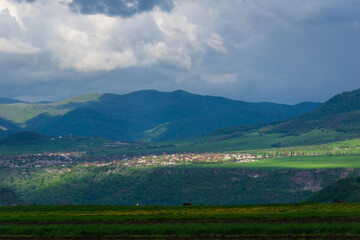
(10, 101)
(148, 114)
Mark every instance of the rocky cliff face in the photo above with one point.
(172, 185)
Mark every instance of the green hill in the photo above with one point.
(340, 103)
(9, 198)
(21, 112)
(345, 190)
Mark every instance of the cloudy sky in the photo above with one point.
(253, 50)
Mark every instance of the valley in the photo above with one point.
(179, 119)
(280, 175)
(246, 163)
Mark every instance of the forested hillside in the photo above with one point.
(340, 113)
(8, 198)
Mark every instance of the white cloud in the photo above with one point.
(220, 78)
(216, 43)
(16, 46)
(100, 42)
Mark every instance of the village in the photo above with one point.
(35, 160)
(190, 158)
(123, 160)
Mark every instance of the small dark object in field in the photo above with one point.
(187, 204)
(337, 201)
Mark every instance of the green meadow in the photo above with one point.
(292, 221)
(306, 162)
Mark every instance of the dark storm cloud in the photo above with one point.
(274, 50)
(124, 8)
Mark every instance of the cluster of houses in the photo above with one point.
(35, 160)
(122, 160)
(190, 158)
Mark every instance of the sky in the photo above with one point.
(252, 50)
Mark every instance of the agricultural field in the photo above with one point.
(304, 162)
(241, 142)
(219, 143)
(276, 221)
(97, 171)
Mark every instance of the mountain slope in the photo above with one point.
(340, 103)
(82, 122)
(335, 120)
(161, 107)
(7, 128)
(340, 113)
(179, 114)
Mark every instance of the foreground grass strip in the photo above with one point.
(300, 221)
(206, 221)
(181, 229)
(298, 237)
(89, 214)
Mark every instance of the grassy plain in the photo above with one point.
(296, 221)
(338, 154)
(244, 142)
(298, 162)
(220, 143)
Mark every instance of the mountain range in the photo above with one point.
(148, 114)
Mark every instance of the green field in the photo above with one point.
(310, 162)
(295, 221)
(242, 142)
(64, 144)
(306, 162)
